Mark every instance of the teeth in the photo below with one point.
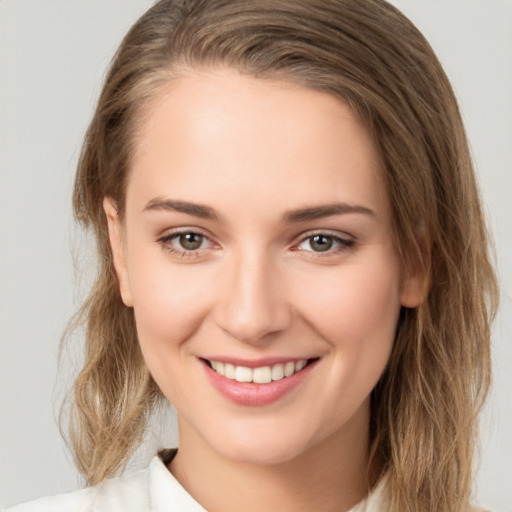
(277, 372)
(298, 365)
(289, 369)
(229, 371)
(243, 374)
(261, 375)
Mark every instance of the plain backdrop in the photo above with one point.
(53, 55)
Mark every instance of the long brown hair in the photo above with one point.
(424, 408)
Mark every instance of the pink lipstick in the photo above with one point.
(257, 382)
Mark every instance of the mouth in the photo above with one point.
(261, 374)
(257, 383)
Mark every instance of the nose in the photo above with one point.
(252, 302)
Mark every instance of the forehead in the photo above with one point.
(217, 134)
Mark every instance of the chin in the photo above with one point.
(262, 454)
(262, 448)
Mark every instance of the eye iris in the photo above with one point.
(191, 241)
(321, 243)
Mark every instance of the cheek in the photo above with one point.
(357, 316)
(169, 307)
(356, 311)
(169, 302)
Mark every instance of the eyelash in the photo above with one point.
(166, 243)
(342, 244)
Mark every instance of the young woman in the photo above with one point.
(293, 254)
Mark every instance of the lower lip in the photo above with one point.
(246, 393)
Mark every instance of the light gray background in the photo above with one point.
(53, 54)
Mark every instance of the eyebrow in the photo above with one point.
(318, 212)
(195, 209)
(293, 216)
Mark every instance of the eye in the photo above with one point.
(185, 242)
(323, 242)
(190, 241)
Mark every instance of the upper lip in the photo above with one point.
(256, 363)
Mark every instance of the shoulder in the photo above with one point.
(77, 501)
(124, 493)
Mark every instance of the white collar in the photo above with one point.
(166, 494)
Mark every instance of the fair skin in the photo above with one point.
(257, 233)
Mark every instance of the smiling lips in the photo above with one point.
(259, 385)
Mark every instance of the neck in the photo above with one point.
(330, 476)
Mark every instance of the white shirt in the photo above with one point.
(151, 490)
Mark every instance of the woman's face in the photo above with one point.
(257, 239)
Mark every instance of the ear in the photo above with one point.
(115, 235)
(416, 279)
(413, 290)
